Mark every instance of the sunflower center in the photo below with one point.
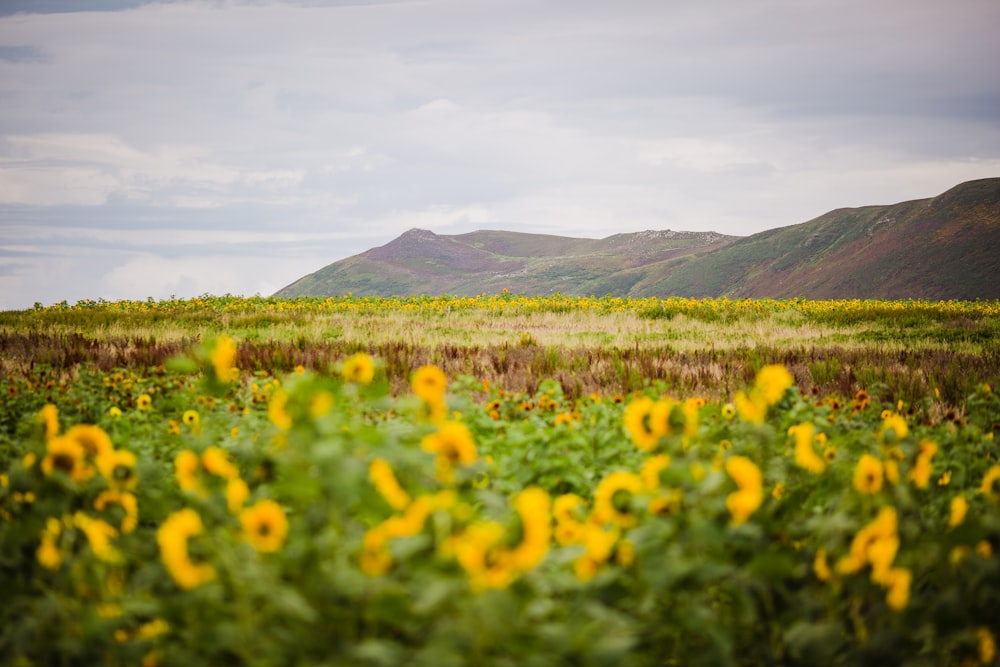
(63, 462)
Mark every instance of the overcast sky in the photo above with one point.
(232, 146)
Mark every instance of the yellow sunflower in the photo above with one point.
(750, 492)
(265, 525)
(66, 455)
(868, 474)
(359, 368)
(173, 537)
(613, 499)
(429, 383)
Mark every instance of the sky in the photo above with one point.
(158, 149)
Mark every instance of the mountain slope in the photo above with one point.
(945, 247)
(421, 262)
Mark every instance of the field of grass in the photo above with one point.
(500, 481)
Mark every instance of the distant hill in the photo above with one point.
(945, 247)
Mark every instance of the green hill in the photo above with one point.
(945, 247)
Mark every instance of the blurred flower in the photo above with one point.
(452, 444)
(66, 455)
(144, 402)
(956, 515)
(613, 499)
(126, 501)
(216, 461)
(381, 475)
(429, 384)
(99, 534)
(48, 554)
(990, 487)
(223, 358)
(265, 525)
(868, 475)
(749, 495)
(49, 418)
(359, 368)
(237, 492)
(173, 537)
(805, 456)
(93, 439)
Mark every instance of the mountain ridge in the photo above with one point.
(943, 247)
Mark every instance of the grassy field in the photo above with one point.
(500, 480)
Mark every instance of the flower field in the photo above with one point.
(347, 511)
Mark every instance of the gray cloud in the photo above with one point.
(257, 141)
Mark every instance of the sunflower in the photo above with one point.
(99, 534)
(186, 467)
(805, 456)
(48, 416)
(216, 461)
(223, 358)
(126, 501)
(359, 368)
(191, 419)
(613, 499)
(173, 537)
(237, 492)
(868, 474)
(957, 510)
(93, 439)
(144, 402)
(452, 443)
(750, 492)
(265, 525)
(646, 421)
(66, 455)
(772, 382)
(533, 509)
(990, 486)
(429, 384)
(48, 554)
(381, 475)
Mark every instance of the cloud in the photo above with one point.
(307, 131)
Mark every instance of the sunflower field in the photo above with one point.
(193, 513)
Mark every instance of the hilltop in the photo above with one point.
(944, 247)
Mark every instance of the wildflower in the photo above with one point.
(359, 368)
(265, 525)
(805, 456)
(613, 499)
(897, 582)
(651, 469)
(728, 411)
(99, 534)
(173, 537)
(66, 455)
(48, 554)
(237, 493)
(868, 475)
(646, 421)
(49, 417)
(276, 410)
(191, 419)
(772, 382)
(749, 495)
(118, 468)
(957, 509)
(920, 474)
(429, 384)
(821, 568)
(532, 507)
(452, 444)
(381, 475)
(223, 358)
(750, 407)
(126, 501)
(989, 486)
(216, 461)
(144, 402)
(186, 467)
(93, 439)
(893, 429)
(987, 645)
(114, 412)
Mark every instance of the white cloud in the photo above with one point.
(340, 125)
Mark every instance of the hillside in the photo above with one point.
(422, 262)
(945, 247)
